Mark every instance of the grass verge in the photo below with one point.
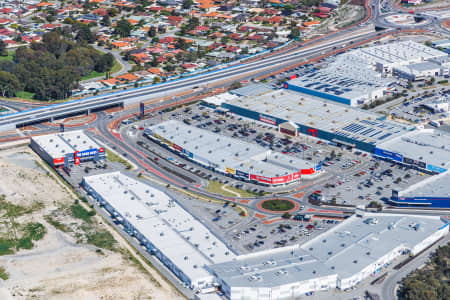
(94, 74)
(113, 157)
(3, 274)
(216, 187)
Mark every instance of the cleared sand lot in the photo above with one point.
(54, 247)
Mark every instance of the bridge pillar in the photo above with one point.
(51, 120)
(141, 110)
(88, 111)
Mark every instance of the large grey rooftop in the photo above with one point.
(429, 145)
(59, 144)
(271, 268)
(358, 242)
(252, 90)
(398, 53)
(176, 233)
(347, 79)
(344, 250)
(434, 186)
(325, 115)
(223, 151)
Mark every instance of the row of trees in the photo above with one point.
(431, 282)
(51, 69)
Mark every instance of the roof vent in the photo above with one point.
(355, 261)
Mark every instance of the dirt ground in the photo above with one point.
(58, 267)
(343, 17)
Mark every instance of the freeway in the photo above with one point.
(26, 117)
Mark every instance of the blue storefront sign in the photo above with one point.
(318, 167)
(388, 154)
(242, 174)
(86, 153)
(435, 169)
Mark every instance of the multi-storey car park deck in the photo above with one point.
(339, 258)
(242, 160)
(323, 119)
(162, 226)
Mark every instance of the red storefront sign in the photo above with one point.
(58, 161)
(176, 147)
(267, 120)
(296, 176)
(261, 178)
(282, 179)
(307, 171)
(101, 150)
(313, 132)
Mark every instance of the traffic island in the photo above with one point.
(278, 205)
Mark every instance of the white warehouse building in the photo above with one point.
(339, 258)
(183, 244)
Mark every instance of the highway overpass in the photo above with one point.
(11, 121)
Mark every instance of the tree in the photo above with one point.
(236, 85)
(3, 51)
(156, 80)
(333, 154)
(187, 4)
(112, 12)
(54, 43)
(84, 33)
(152, 32)
(286, 215)
(182, 44)
(9, 84)
(106, 20)
(123, 28)
(295, 32)
(105, 63)
(192, 23)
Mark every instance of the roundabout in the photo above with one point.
(406, 20)
(277, 206)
